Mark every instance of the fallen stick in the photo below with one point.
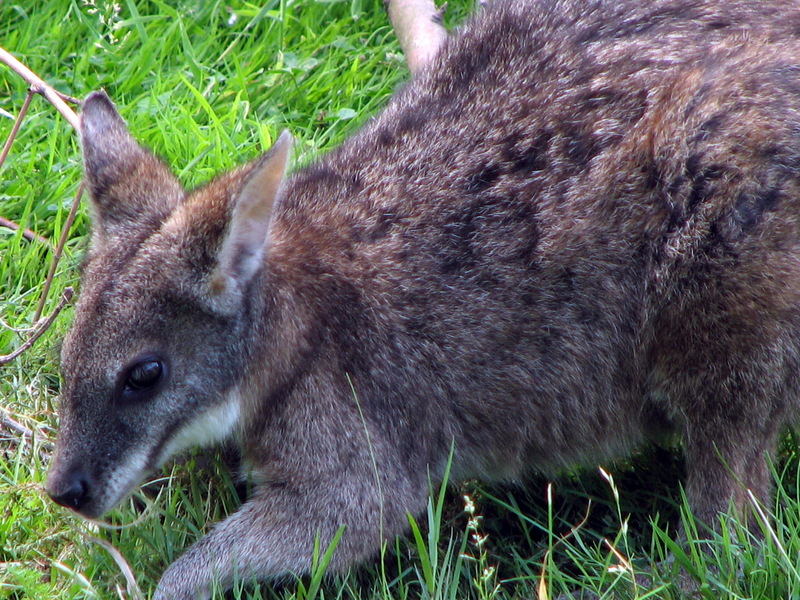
(40, 87)
(39, 329)
(29, 235)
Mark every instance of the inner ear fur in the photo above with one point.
(247, 238)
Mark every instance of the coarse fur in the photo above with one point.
(576, 231)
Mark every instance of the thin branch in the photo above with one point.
(25, 434)
(57, 254)
(9, 423)
(40, 87)
(69, 99)
(15, 129)
(29, 235)
(40, 328)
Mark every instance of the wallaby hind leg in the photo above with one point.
(723, 465)
(730, 376)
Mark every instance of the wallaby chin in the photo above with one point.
(576, 229)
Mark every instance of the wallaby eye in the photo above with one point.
(144, 375)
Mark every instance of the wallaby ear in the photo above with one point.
(246, 240)
(129, 186)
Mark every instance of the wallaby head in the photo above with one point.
(150, 362)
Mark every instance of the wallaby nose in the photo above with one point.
(72, 492)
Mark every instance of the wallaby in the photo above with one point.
(575, 231)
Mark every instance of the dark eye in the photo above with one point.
(144, 375)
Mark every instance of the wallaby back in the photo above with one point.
(577, 230)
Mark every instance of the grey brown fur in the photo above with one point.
(577, 230)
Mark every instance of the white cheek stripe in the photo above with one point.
(213, 425)
(209, 427)
(122, 480)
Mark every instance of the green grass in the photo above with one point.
(209, 85)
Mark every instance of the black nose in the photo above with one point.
(72, 491)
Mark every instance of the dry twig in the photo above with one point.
(41, 326)
(59, 249)
(22, 112)
(38, 86)
(29, 235)
(9, 423)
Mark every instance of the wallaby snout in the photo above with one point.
(71, 490)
